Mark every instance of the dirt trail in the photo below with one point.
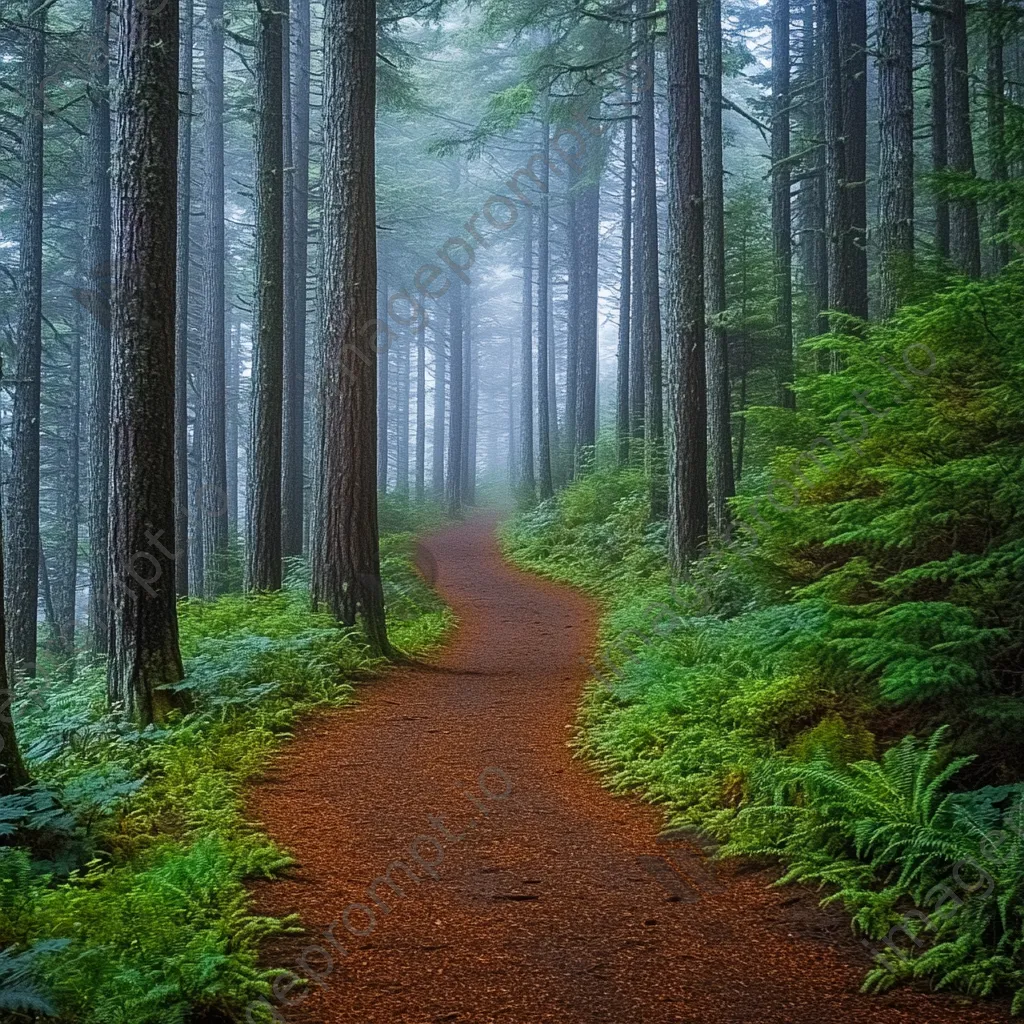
(555, 902)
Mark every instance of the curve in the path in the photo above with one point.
(555, 902)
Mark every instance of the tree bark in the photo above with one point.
(939, 146)
(526, 482)
(294, 473)
(144, 657)
(468, 411)
(718, 388)
(573, 244)
(546, 409)
(23, 501)
(688, 502)
(181, 332)
(622, 423)
(346, 553)
(263, 521)
(383, 385)
(232, 394)
(896, 159)
(402, 358)
(211, 418)
(67, 514)
(964, 235)
(98, 321)
(782, 216)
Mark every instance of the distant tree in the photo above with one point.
(782, 219)
(437, 440)
(453, 481)
(346, 549)
(525, 477)
(12, 768)
(547, 412)
(939, 147)
(144, 659)
(622, 425)
(421, 407)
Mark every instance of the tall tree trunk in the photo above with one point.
(263, 522)
(719, 397)
(896, 166)
(648, 312)
(211, 418)
(68, 508)
(853, 35)
(688, 503)
(964, 235)
(622, 424)
(402, 462)
(468, 459)
(232, 412)
(182, 296)
(12, 768)
(144, 658)
(939, 146)
(98, 340)
(23, 503)
(421, 408)
(589, 212)
(637, 356)
(383, 388)
(293, 485)
(346, 551)
(525, 479)
(546, 409)
(573, 257)
(782, 219)
(437, 429)
(995, 82)
(456, 362)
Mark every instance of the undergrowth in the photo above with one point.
(123, 870)
(838, 685)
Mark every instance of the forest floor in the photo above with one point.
(521, 891)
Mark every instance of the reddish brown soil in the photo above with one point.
(556, 903)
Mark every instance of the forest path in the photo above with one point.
(555, 902)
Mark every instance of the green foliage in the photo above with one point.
(871, 594)
(124, 900)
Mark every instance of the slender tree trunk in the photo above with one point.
(589, 211)
(456, 362)
(263, 521)
(68, 501)
(622, 424)
(574, 312)
(526, 481)
(688, 504)
(144, 658)
(98, 340)
(182, 289)
(854, 48)
(211, 413)
(995, 82)
(346, 551)
(403, 358)
(782, 219)
(838, 219)
(649, 299)
(23, 502)
(940, 155)
(964, 236)
(293, 485)
(232, 412)
(896, 159)
(383, 387)
(719, 399)
(437, 435)
(637, 356)
(421, 408)
(468, 459)
(546, 410)
(812, 188)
